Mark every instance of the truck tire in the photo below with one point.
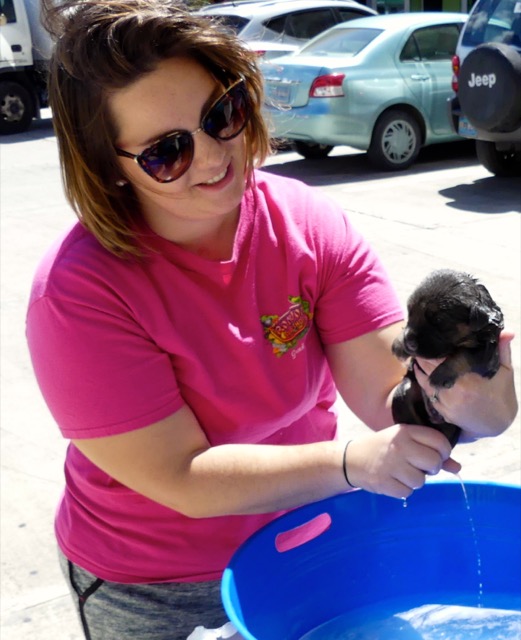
(396, 141)
(490, 87)
(16, 108)
(504, 164)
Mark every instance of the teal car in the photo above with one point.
(378, 83)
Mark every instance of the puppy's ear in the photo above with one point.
(495, 317)
(483, 316)
(479, 317)
(487, 306)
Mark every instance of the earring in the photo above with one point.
(121, 183)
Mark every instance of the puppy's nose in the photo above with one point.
(410, 342)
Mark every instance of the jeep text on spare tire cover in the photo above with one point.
(482, 81)
(490, 87)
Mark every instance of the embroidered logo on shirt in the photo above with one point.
(286, 330)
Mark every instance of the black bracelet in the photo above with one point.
(344, 465)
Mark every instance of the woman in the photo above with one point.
(191, 333)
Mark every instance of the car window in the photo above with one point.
(342, 41)
(431, 43)
(303, 25)
(494, 21)
(410, 50)
(7, 10)
(277, 25)
(235, 23)
(350, 14)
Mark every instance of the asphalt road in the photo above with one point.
(447, 211)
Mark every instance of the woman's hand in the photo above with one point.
(396, 460)
(480, 406)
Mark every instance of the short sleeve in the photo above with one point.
(98, 372)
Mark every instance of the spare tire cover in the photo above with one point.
(490, 87)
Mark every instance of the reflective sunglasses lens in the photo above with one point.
(169, 158)
(229, 115)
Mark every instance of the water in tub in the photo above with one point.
(429, 622)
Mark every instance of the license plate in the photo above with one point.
(465, 129)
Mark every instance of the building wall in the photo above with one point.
(397, 6)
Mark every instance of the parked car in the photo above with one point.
(487, 82)
(379, 84)
(287, 21)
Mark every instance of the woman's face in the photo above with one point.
(176, 96)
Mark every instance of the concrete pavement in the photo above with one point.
(441, 213)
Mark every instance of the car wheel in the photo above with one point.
(505, 164)
(396, 141)
(16, 108)
(312, 151)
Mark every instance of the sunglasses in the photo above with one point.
(171, 155)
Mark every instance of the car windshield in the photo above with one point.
(347, 42)
(494, 21)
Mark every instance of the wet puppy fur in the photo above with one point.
(451, 315)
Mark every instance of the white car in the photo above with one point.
(286, 21)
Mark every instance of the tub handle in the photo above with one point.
(296, 537)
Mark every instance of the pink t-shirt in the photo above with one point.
(118, 344)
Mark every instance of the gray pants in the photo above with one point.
(166, 611)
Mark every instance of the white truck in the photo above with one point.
(25, 49)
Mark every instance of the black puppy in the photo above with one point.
(451, 316)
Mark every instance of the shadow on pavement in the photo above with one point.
(39, 130)
(355, 167)
(487, 195)
(484, 195)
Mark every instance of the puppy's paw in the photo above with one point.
(442, 379)
(491, 368)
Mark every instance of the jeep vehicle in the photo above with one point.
(487, 84)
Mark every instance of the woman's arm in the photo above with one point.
(172, 462)
(366, 374)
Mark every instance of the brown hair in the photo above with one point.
(103, 45)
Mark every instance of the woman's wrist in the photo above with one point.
(345, 466)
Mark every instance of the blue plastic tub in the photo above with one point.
(357, 550)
